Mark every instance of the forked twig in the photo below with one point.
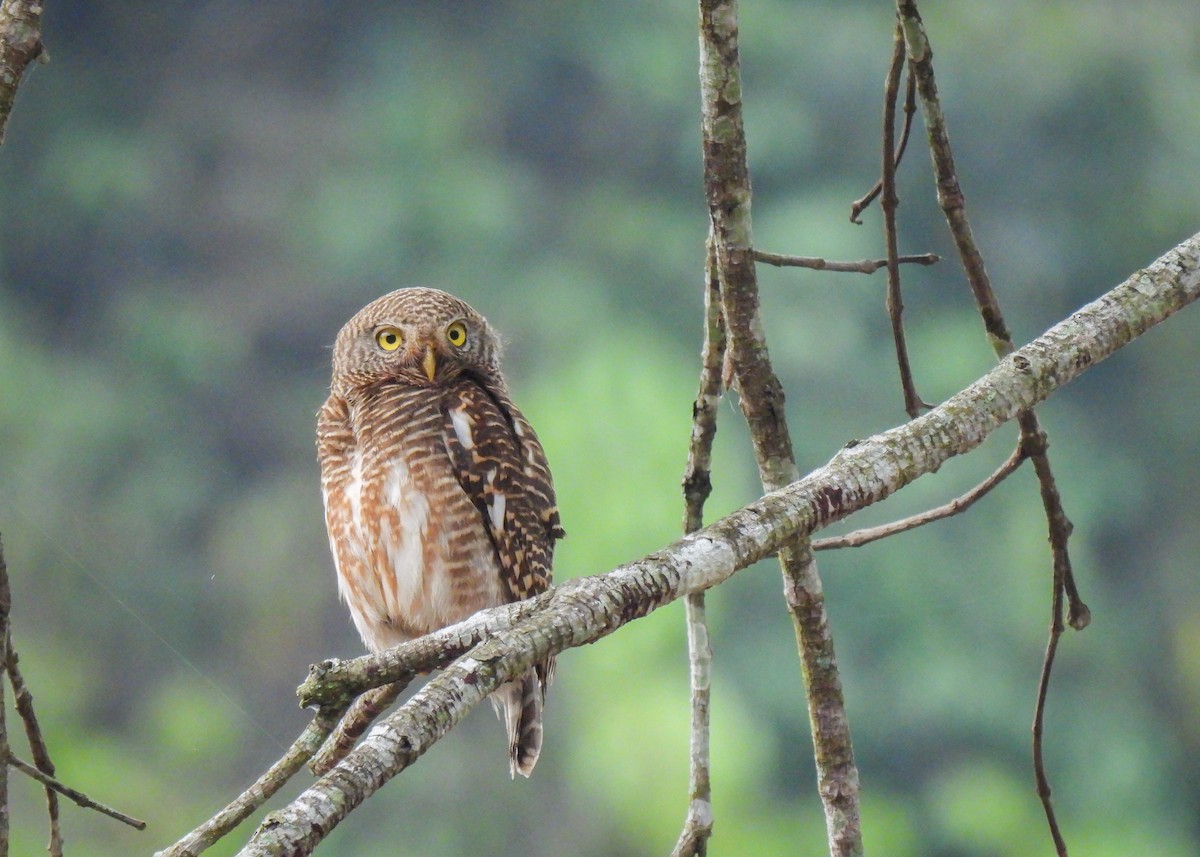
(889, 202)
(353, 724)
(1033, 439)
(858, 538)
(910, 108)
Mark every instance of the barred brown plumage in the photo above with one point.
(438, 498)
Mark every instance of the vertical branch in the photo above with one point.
(5, 751)
(727, 187)
(697, 485)
(20, 45)
(1033, 438)
(889, 202)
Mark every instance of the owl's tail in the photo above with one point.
(519, 704)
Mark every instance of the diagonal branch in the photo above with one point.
(583, 610)
(239, 809)
(73, 794)
(858, 538)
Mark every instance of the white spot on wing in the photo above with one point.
(497, 508)
(462, 427)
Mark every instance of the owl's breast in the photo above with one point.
(411, 550)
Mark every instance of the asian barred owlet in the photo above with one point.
(438, 498)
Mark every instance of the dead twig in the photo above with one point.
(1033, 439)
(73, 794)
(910, 108)
(23, 701)
(858, 538)
(889, 202)
(863, 266)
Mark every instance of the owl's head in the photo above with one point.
(422, 337)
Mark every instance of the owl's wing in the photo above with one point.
(502, 467)
(335, 447)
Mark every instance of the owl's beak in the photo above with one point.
(429, 363)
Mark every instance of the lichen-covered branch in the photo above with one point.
(20, 45)
(727, 186)
(585, 609)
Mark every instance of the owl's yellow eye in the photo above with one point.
(456, 334)
(389, 338)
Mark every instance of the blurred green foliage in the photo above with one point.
(195, 195)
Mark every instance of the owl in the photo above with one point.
(438, 497)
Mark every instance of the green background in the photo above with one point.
(194, 196)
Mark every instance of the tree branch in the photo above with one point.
(863, 266)
(20, 45)
(1033, 438)
(23, 702)
(585, 609)
(727, 186)
(889, 202)
(858, 538)
(73, 794)
(697, 484)
(5, 751)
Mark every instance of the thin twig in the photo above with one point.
(697, 485)
(1039, 711)
(353, 724)
(1033, 439)
(858, 538)
(910, 108)
(863, 266)
(889, 202)
(73, 794)
(259, 792)
(761, 397)
(23, 700)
